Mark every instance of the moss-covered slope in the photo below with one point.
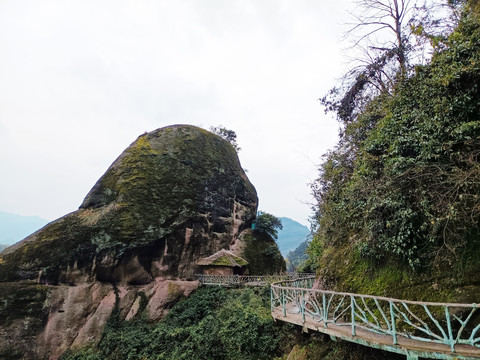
(175, 194)
(399, 205)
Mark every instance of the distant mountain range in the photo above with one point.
(14, 228)
(292, 235)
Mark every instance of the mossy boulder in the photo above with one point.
(174, 195)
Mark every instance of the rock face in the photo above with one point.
(173, 196)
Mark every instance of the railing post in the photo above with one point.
(284, 303)
(271, 299)
(352, 308)
(302, 304)
(449, 328)
(393, 323)
(325, 312)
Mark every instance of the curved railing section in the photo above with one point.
(428, 322)
(229, 280)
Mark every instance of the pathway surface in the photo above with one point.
(409, 347)
(416, 329)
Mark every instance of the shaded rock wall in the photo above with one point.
(41, 322)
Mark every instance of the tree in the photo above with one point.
(380, 34)
(226, 134)
(383, 33)
(377, 16)
(268, 224)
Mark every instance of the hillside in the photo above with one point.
(14, 228)
(297, 258)
(215, 323)
(292, 234)
(398, 198)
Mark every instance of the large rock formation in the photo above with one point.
(174, 195)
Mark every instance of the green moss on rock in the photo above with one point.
(166, 181)
(22, 300)
(345, 270)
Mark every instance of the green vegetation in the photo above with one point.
(217, 323)
(268, 224)
(227, 134)
(399, 197)
(21, 300)
(213, 323)
(296, 259)
(262, 254)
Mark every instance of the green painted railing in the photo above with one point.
(429, 322)
(229, 280)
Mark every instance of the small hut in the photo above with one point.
(223, 262)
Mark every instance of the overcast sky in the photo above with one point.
(80, 80)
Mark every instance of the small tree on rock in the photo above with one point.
(268, 224)
(226, 134)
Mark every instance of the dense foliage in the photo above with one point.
(403, 184)
(297, 258)
(213, 323)
(262, 254)
(268, 224)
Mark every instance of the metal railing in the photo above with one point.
(228, 280)
(444, 323)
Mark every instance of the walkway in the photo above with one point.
(415, 329)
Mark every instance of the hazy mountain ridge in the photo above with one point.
(291, 236)
(14, 228)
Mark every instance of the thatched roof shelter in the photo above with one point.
(223, 262)
(222, 258)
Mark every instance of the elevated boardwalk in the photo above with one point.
(415, 329)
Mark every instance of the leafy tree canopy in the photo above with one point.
(268, 224)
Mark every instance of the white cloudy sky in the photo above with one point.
(80, 80)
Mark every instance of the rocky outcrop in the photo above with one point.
(173, 196)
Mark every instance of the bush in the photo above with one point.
(213, 323)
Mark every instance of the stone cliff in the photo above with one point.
(174, 195)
